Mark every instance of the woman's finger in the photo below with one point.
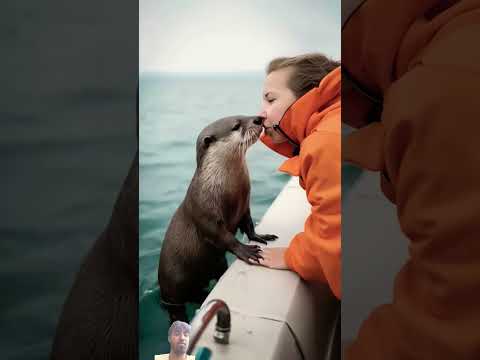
(265, 262)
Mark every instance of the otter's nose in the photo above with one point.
(258, 120)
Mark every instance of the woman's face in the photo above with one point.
(276, 99)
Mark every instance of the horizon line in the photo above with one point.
(200, 72)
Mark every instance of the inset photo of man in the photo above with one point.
(178, 338)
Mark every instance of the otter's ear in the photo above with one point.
(207, 140)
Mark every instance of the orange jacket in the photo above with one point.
(426, 64)
(313, 121)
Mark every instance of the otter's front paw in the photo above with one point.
(263, 238)
(248, 253)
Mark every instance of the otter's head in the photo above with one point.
(229, 137)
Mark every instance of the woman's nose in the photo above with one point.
(263, 114)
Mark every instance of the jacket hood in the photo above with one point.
(305, 114)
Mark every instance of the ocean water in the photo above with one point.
(173, 111)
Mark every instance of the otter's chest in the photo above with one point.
(236, 194)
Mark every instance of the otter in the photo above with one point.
(203, 227)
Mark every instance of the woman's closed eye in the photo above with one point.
(268, 97)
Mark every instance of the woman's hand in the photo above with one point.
(274, 258)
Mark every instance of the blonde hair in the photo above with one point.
(308, 70)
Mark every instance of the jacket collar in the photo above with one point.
(305, 114)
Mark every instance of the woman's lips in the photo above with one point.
(268, 131)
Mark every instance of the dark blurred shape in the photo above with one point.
(67, 104)
(99, 318)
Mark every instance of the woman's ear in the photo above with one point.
(207, 140)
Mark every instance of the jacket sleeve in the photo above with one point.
(432, 160)
(315, 253)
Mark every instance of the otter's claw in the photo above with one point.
(249, 253)
(263, 238)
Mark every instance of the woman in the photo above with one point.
(301, 107)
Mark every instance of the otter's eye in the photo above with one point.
(207, 140)
(236, 127)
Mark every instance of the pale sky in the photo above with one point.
(220, 36)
